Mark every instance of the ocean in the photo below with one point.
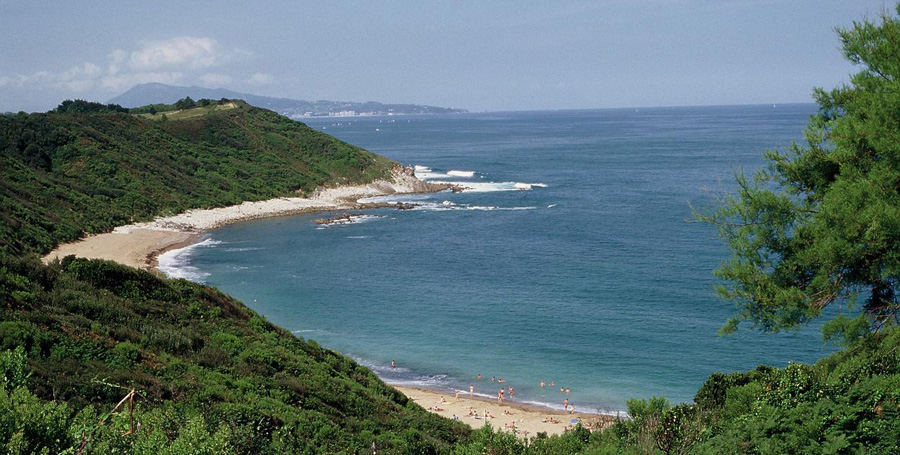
(571, 257)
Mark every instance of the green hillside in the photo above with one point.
(68, 173)
(210, 375)
(819, 227)
(200, 361)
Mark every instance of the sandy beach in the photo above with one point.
(523, 420)
(138, 245)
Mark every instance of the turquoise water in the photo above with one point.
(589, 276)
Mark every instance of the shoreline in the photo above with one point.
(139, 245)
(522, 419)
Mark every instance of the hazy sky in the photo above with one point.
(479, 55)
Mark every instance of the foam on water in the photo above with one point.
(447, 206)
(397, 198)
(488, 187)
(404, 376)
(461, 173)
(355, 219)
(176, 263)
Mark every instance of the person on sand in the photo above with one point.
(456, 394)
(471, 390)
(500, 397)
(566, 404)
(443, 401)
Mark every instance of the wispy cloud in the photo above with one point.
(179, 52)
(124, 81)
(260, 79)
(169, 61)
(77, 79)
(211, 79)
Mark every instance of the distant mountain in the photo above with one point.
(155, 93)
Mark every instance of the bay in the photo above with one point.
(574, 259)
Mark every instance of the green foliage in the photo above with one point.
(87, 107)
(212, 374)
(92, 169)
(818, 227)
(29, 425)
(821, 225)
(12, 369)
(185, 103)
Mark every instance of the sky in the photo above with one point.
(476, 55)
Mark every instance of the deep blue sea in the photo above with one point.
(571, 259)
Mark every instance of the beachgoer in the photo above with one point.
(543, 384)
(561, 390)
(552, 383)
(471, 390)
(500, 397)
(478, 377)
(566, 404)
(392, 364)
(493, 378)
(500, 380)
(512, 391)
(456, 394)
(568, 390)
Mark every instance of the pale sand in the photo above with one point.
(528, 420)
(138, 245)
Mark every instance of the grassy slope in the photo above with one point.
(209, 370)
(66, 175)
(92, 328)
